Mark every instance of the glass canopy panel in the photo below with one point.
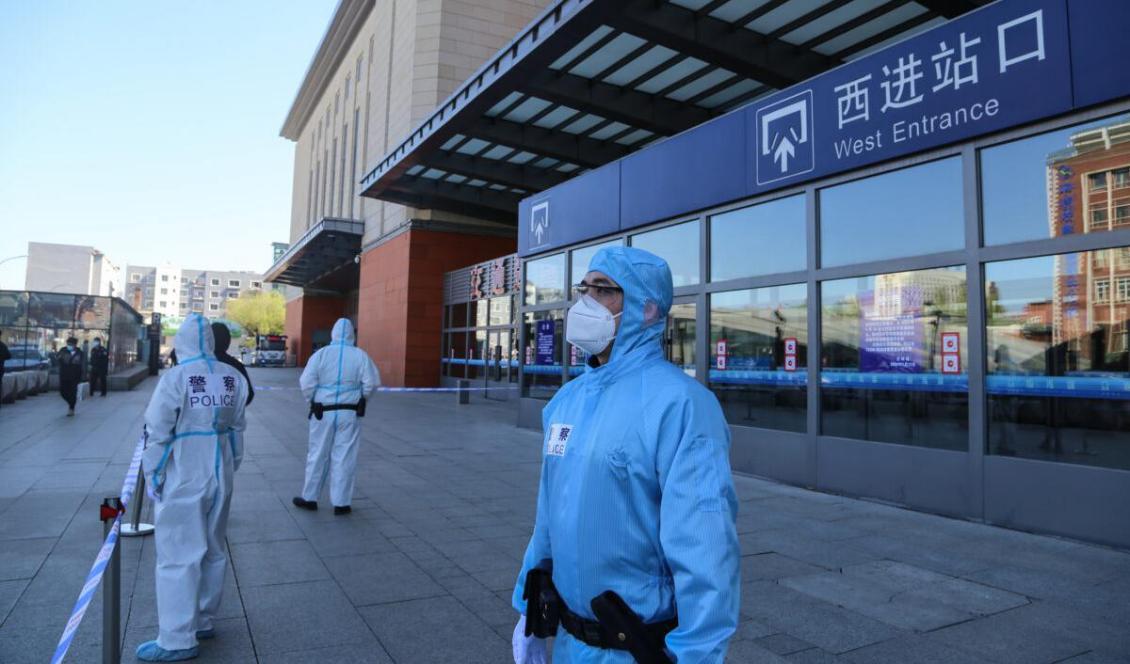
(504, 104)
(607, 55)
(732, 11)
(670, 75)
(555, 117)
(651, 59)
(700, 84)
(527, 109)
(870, 29)
(736, 90)
(581, 47)
(832, 19)
(783, 15)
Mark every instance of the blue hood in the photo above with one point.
(646, 280)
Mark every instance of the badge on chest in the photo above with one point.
(558, 441)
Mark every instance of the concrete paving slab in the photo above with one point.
(303, 616)
(448, 625)
(272, 563)
(381, 578)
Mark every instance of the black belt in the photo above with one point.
(339, 406)
(591, 632)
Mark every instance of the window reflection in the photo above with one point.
(908, 212)
(545, 279)
(1064, 182)
(580, 258)
(756, 240)
(753, 335)
(678, 245)
(680, 337)
(893, 365)
(1058, 363)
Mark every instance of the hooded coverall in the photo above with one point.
(195, 422)
(337, 373)
(636, 494)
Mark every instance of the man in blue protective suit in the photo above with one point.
(195, 423)
(636, 495)
(337, 380)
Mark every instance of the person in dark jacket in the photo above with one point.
(99, 366)
(222, 335)
(5, 355)
(71, 362)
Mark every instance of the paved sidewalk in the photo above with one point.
(422, 571)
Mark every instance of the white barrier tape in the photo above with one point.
(101, 561)
(268, 388)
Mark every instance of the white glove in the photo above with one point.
(527, 649)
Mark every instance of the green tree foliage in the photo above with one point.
(259, 313)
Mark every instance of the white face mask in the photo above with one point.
(590, 325)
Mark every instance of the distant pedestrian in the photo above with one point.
(70, 373)
(222, 335)
(5, 355)
(99, 366)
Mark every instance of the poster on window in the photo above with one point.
(545, 342)
(891, 329)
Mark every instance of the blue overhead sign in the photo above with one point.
(1005, 65)
(999, 67)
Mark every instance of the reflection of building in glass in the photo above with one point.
(1089, 192)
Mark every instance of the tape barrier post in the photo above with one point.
(106, 562)
(135, 528)
(112, 589)
(463, 392)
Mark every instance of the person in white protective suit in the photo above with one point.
(634, 553)
(195, 423)
(336, 381)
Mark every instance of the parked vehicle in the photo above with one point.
(26, 357)
(270, 350)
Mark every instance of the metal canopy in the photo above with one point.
(322, 259)
(591, 81)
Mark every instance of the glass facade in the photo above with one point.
(1078, 178)
(908, 212)
(544, 336)
(579, 259)
(36, 325)
(738, 246)
(545, 280)
(480, 324)
(896, 354)
(892, 364)
(679, 246)
(753, 335)
(1058, 378)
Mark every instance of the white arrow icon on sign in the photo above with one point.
(782, 148)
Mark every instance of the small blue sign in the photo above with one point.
(545, 343)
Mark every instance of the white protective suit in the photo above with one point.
(195, 422)
(337, 373)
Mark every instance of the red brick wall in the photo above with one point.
(306, 314)
(400, 308)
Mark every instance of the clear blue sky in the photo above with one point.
(149, 129)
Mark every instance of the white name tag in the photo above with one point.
(210, 391)
(559, 435)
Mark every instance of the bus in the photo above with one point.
(270, 350)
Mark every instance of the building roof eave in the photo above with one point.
(347, 20)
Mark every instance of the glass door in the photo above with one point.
(679, 340)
